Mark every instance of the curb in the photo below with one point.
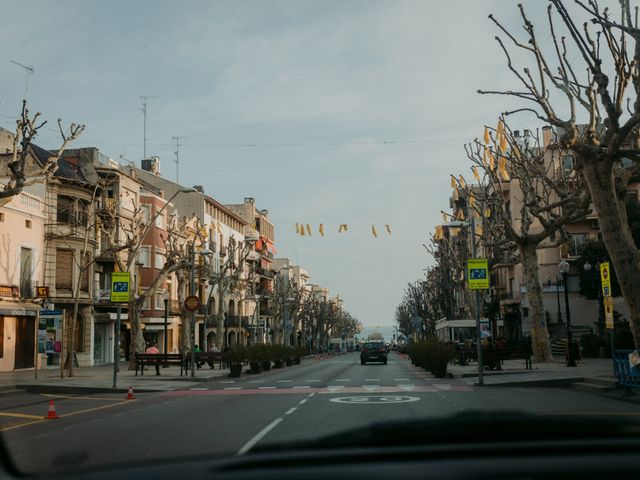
(552, 382)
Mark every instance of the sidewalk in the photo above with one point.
(590, 371)
(100, 379)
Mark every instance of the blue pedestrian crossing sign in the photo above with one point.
(478, 274)
(120, 282)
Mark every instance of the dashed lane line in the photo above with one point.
(266, 388)
(233, 388)
(291, 410)
(249, 445)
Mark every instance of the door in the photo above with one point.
(25, 273)
(25, 342)
(100, 344)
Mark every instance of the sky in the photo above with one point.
(328, 112)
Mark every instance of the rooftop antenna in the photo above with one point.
(177, 152)
(144, 131)
(28, 71)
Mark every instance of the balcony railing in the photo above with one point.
(102, 296)
(232, 321)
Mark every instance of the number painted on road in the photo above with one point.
(371, 400)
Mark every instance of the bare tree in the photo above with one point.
(287, 299)
(523, 199)
(18, 170)
(590, 71)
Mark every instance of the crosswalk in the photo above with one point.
(329, 389)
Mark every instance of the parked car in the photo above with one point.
(373, 352)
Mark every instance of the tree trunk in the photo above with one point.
(616, 235)
(185, 330)
(539, 333)
(296, 327)
(137, 338)
(220, 319)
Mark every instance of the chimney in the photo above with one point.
(151, 165)
(264, 212)
(547, 135)
(199, 188)
(249, 200)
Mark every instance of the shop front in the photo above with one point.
(18, 332)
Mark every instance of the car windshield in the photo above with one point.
(226, 226)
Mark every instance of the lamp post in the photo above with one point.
(165, 298)
(192, 292)
(563, 267)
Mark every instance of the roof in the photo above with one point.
(66, 169)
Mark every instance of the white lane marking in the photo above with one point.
(370, 387)
(256, 381)
(259, 436)
(442, 386)
(233, 388)
(266, 388)
(285, 381)
(313, 380)
(199, 388)
(311, 395)
(302, 386)
(303, 401)
(401, 379)
(343, 379)
(291, 410)
(407, 387)
(371, 379)
(228, 381)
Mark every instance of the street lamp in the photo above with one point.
(192, 262)
(563, 268)
(165, 297)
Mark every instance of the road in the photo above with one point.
(230, 416)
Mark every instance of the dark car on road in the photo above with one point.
(373, 352)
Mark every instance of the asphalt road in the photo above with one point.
(230, 416)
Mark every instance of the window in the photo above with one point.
(143, 256)
(159, 260)
(27, 223)
(1, 217)
(25, 272)
(64, 269)
(577, 242)
(82, 213)
(146, 213)
(159, 304)
(146, 304)
(64, 212)
(567, 164)
(86, 269)
(160, 221)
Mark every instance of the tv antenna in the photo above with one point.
(28, 71)
(177, 152)
(144, 125)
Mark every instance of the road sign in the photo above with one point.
(605, 278)
(191, 303)
(608, 312)
(120, 282)
(478, 274)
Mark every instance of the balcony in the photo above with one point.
(264, 272)
(266, 312)
(102, 296)
(245, 321)
(232, 321)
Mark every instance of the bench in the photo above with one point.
(210, 358)
(497, 355)
(151, 359)
(627, 376)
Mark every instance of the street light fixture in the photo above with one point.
(563, 268)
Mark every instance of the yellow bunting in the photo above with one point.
(438, 234)
(343, 228)
(475, 173)
(500, 128)
(492, 161)
(484, 157)
(321, 230)
(308, 229)
(479, 230)
(388, 228)
(444, 217)
(454, 231)
(503, 143)
(297, 228)
(503, 169)
(460, 215)
(472, 201)
(463, 183)
(516, 152)
(487, 212)
(487, 137)
(453, 181)
(373, 231)
(456, 196)
(302, 230)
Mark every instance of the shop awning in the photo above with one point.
(18, 309)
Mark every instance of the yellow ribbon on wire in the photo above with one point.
(487, 137)
(388, 228)
(321, 230)
(475, 173)
(373, 231)
(308, 229)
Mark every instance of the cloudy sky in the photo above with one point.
(326, 112)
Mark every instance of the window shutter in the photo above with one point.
(64, 269)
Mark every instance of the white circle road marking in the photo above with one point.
(370, 400)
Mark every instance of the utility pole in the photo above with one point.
(177, 152)
(28, 71)
(144, 99)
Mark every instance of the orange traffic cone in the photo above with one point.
(51, 414)
(130, 394)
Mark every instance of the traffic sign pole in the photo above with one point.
(120, 283)
(116, 347)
